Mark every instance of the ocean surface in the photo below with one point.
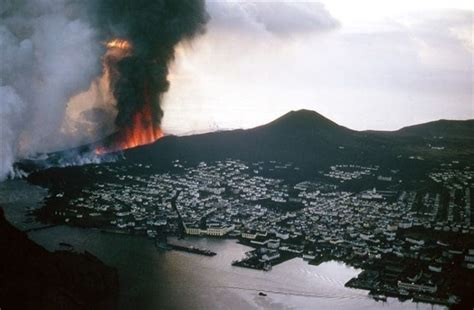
(151, 279)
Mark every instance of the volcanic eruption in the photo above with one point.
(74, 71)
(144, 127)
(140, 37)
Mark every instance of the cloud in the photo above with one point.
(280, 18)
(378, 74)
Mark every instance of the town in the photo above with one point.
(411, 243)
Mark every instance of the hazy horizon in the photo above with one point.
(216, 129)
(365, 66)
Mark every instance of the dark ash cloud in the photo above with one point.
(154, 28)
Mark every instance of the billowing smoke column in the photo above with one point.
(147, 32)
(51, 50)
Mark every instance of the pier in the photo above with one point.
(161, 242)
(191, 249)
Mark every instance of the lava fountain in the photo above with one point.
(142, 38)
(143, 128)
(142, 131)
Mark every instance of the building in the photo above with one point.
(417, 287)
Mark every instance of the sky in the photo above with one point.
(364, 64)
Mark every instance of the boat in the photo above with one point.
(262, 294)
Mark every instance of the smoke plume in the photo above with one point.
(53, 50)
(153, 28)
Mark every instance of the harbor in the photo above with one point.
(159, 274)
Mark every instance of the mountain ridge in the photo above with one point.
(301, 136)
(442, 127)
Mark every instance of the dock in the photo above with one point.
(191, 249)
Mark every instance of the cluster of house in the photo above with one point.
(226, 197)
(348, 172)
(452, 177)
(458, 182)
(234, 199)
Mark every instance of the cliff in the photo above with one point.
(34, 278)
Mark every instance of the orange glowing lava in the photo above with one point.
(142, 131)
(120, 44)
